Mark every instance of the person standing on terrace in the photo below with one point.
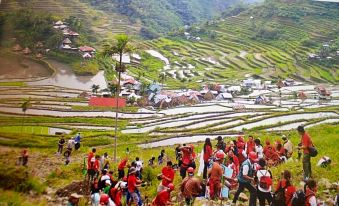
(306, 143)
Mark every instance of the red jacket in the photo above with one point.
(162, 198)
(289, 191)
(208, 153)
(309, 194)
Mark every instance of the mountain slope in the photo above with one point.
(160, 16)
(272, 41)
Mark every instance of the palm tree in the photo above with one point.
(24, 106)
(120, 46)
(95, 88)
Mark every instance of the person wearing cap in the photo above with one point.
(163, 198)
(245, 179)
(107, 186)
(103, 178)
(167, 176)
(241, 149)
(288, 146)
(215, 173)
(74, 199)
(132, 185)
(191, 187)
(106, 200)
(306, 143)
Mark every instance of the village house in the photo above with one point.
(323, 93)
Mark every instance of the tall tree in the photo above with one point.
(95, 88)
(120, 46)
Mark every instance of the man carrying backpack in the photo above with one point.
(306, 143)
(246, 178)
(306, 197)
(264, 183)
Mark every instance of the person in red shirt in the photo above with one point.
(306, 143)
(164, 197)
(187, 159)
(121, 168)
(208, 152)
(250, 145)
(280, 150)
(90, 163)
(241, 148)
(286, 184)
(167, 175)
(132, 185)
(235, 161)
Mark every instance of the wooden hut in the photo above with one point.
(209, 96)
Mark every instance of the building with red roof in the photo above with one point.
(107, 102)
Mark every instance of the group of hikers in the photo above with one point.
(72, 143)
(236, 165)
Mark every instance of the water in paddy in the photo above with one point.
(21, 68)
(181, 140)
(65, 77)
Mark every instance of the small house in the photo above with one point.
(86, 56)
(323, 93)
(88, 49)
(224, 96)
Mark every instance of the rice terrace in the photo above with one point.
(96, 96)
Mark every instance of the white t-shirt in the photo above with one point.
(138, 165)
(260, 151)
(312, 201)
(261, 173)
(246, 168)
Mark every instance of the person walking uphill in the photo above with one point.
(246, 178)
(306, 143)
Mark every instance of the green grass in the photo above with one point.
(25, 129)
(16, 84)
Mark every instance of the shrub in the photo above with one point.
(18, 178)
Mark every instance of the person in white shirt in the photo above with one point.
(264, 183)
(288, 146)
(139, 165)
(259, 149)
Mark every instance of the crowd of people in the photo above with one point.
(236, 165)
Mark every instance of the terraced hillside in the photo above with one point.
(99, 22)
(271, 41)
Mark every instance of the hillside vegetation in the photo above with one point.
(272, 40)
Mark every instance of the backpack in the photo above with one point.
(299, 198)
(313, 151)
(265, 181)
(279, 197)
